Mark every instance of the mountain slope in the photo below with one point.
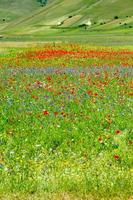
(30, 19)
(11, 10)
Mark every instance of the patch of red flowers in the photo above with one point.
(45, 112)
(116, 157)
(91, 93)
(118, 132)
(49, 78)
(63, 114)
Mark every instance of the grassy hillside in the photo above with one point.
(12, 9)
(27, 18)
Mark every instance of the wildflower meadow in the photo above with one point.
(66, 122)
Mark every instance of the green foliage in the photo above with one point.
(116, 17)
(42, 2)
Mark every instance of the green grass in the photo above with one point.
(94, 38)
(11, 10)
(66, 134)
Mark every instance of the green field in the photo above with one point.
(28, 21)
(65, 123)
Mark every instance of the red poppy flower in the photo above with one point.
(49, 78)
(45, 112)
(63, 114)
(89, 92)
(116, 157)
(95, 94)
(38, 82)
(118, 132)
